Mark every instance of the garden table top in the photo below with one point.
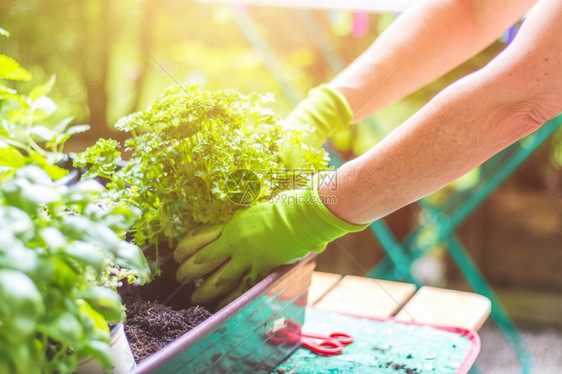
(440, 339)
(382, 299)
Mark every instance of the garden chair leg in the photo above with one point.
(499, 314)
(400, 260)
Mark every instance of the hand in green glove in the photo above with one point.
(324, 110)
(237, 254)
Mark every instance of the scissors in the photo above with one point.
(331, 344)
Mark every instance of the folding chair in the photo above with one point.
(400, 255)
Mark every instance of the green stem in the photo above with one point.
(60, 352)
(36, 147)
(16, 144)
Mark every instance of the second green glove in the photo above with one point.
(255, 241)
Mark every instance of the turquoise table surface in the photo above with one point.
(385, 346)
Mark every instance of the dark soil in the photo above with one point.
(150, 326)
(159, 311)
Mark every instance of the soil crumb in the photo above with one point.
(150, 326)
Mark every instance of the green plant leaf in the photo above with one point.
(106, 302)
(26, 195)
(43, 89)
(102, 159)
(63, 327)
(131, 257)
(43, 108)
(7, 365)
(121, 217)
(99, 323)
(21, 304)
(61, 127)
(53, 238)
(41, 133)
(86, 253)
(53, 171)
(34, 175)
(82, 228)
(11, 156)
(7, 92)
(18, 257)
(101, 351)
(25, 355)
(59, 273)
(82, 192)
(127, 123)
(77, 129)
(15, 220)
(11, 70)
(86, 187)
(54, 245)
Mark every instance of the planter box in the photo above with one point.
(234, 338)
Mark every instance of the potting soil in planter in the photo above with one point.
(385, 346)
(151, 326)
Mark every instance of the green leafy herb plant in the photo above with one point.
(184, 148)
(62, 253)
(62, 256)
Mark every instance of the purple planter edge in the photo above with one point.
(152, 363)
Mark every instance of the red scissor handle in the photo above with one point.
(331, 344)
(340, 337)
(322, 346)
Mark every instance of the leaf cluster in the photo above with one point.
(183, 149)
(59, 258)
(62, 253)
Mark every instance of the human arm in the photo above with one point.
(462, 126)
(426, 41)
(423, 43)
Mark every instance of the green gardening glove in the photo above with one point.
(325, 112)
(235, 255)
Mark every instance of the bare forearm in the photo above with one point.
(426, 41)
(461, 127)
(440, 143)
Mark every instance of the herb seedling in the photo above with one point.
(183, 149)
